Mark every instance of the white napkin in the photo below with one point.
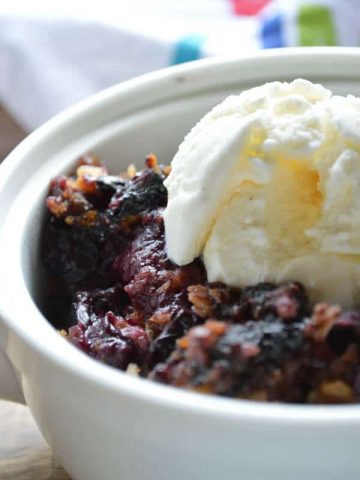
(53, 54)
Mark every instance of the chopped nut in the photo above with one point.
(258, 395)
(199, 297)
(151, 162)
(161, 318)
(133, 370)
(91, 159)
(56, 207)
(323, 319)
(249, 350)
(217, 294)
(218, 328)
(86, 174)
(336, 391)
(207, 389)
(91, 171)
(166, 170)
(183, 342)
(131, 171)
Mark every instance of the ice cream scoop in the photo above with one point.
(266, 187)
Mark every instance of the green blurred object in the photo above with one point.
(316, 26)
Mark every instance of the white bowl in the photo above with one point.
(101, 423)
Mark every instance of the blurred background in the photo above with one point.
(53, 54)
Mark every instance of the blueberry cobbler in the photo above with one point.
(114, 293)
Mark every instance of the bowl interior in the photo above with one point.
(159, 129)
(122, 126)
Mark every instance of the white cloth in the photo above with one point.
(53, 53)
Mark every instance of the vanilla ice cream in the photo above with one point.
(266, 187)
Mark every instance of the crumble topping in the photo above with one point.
(114, 293)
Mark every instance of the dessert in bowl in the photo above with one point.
(109, 419)
(170, 271)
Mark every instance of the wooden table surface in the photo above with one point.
(10, 133)
(23, 453)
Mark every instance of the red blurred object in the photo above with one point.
(248, 7)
